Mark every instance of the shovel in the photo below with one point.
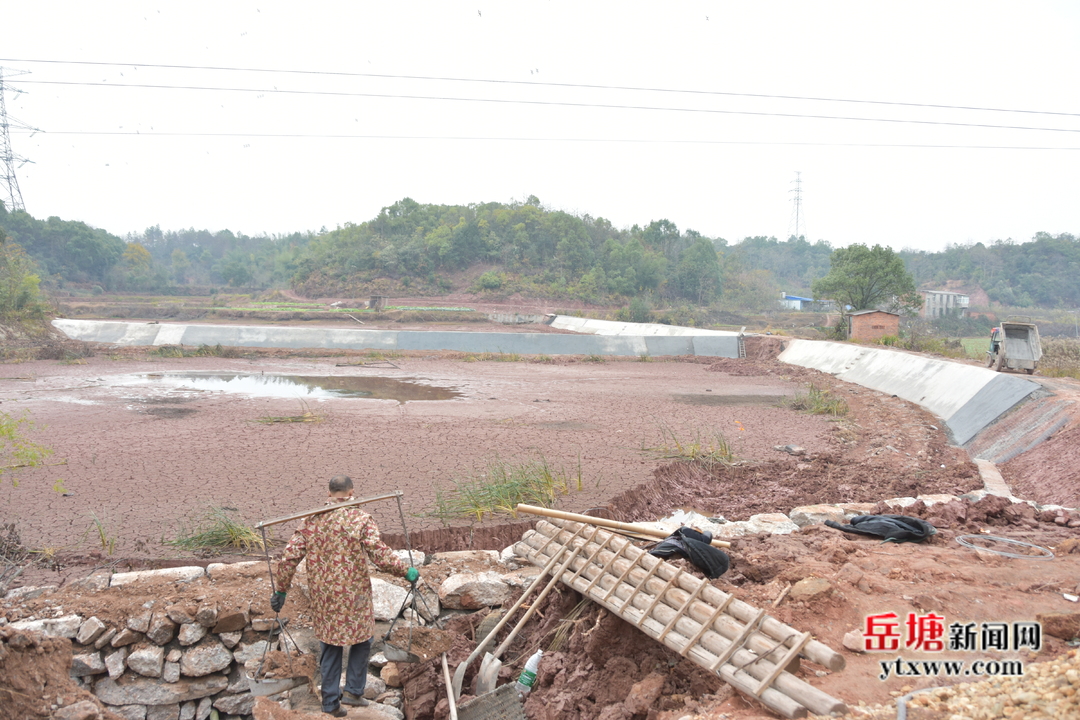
(459, 674)
(488, 676)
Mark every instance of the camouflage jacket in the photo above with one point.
(339, 545)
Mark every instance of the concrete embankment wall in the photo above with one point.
(967, 398)
(146, 334)
(593, 326)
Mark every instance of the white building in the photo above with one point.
(939, 303)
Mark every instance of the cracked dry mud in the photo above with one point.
(152, 471)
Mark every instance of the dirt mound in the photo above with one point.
(739, 491)
(763, 347)
(34, 679)
(21, 342)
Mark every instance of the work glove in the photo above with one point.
(412, 575)
(277, 601)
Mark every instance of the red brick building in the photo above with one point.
(872, 324)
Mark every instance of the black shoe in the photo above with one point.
(337, 712)
(348, 698)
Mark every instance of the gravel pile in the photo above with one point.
(1047, 691)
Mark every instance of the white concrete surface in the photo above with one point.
(704, 343)
(608, 327)
(940, 386)
(966, 397)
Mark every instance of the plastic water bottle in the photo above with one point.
(528, 675)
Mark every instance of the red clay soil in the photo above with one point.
(1050, 473)
(148, 461)
(142, 473)
(34, 679)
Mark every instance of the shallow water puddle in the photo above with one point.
(292, 386)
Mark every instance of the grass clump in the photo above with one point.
(305, 417)
(14, 557)
(707, 446)
(179, 351)
(817, 402)
(217, 530)
(493, 357)
(105, 536)
(504, 484)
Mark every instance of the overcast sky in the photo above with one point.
(629, 111)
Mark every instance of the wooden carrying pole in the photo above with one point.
(603, 522)
(328, 508)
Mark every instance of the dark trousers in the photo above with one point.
(355, 674)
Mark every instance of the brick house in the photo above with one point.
(872, 324)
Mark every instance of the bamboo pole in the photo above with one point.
(328, 508)
(741, 611)
(604, 522)
(712, 643)
(712, 646)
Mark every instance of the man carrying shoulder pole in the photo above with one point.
(339, 545)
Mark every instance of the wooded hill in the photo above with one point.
(503, 248)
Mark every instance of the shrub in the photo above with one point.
(490, 280)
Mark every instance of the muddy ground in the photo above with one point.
(143, 459)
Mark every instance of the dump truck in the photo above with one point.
(1015, 345)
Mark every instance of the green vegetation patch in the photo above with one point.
(218, 530)
(817, 402)
(502, 485)
(702, 445)
(180, 351)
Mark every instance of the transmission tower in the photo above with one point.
(8, 158)
(797, 223)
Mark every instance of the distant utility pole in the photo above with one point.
(8, 158)
(797, 221)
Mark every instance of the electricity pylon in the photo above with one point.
(10, 184)
(797, 222)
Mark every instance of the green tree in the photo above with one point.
(697, 276)
(863, 278)
(20, 296)
(180, 265)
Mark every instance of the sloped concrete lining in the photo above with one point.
(608, 327)
(147, 334)
(967, 398)
(1022, 428)
(993, 400)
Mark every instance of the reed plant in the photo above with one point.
(701, 445)
(217, 530)
(503, 485)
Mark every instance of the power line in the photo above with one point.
(550, 103)
(331, 136)
(552, 84)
